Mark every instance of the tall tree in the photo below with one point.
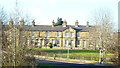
(59, 21)
(103, 34)
(3, 20)
(14, 52)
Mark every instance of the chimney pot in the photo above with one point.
(53, 23)
(64, 23)
(22, 22)
(33, 23)
(87, 24)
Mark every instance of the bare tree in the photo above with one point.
(115, 49)
(3, 15)
(103, 33)
(2, 18)
(1, 43)
(14, 42)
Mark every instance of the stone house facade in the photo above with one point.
(40, 35)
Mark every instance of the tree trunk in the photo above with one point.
(101, 57)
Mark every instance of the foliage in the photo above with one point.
(55, 44)
(59, 21)
(50, 45)
(36, 43)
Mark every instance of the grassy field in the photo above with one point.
(81, 52)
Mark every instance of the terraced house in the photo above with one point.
(40, 35)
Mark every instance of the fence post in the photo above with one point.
(54, 56)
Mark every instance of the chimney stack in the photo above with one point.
(33, 23)
(87, 24)
(76, 23)
(22, 22)
(11, 23)
(64, 23)
(53, 23)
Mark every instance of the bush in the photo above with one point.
(50, 45)
(55, 44)
(36, 43)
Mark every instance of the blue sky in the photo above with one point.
(44, 11)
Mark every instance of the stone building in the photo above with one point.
(40, 35)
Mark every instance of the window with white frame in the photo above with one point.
(78, 34)
(57, 42)
(72, 34)
(33, 33)
(53, 41)
(66, 34)
(78, 42)
(47, 34)
(58, 34)
(43, 41)
(32, 41)
(71, 43)
(47, 41)
(66, 42)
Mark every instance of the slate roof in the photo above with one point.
(50, 28)
(47, 28)
(58, 28)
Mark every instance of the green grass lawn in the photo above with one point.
(80, 52)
